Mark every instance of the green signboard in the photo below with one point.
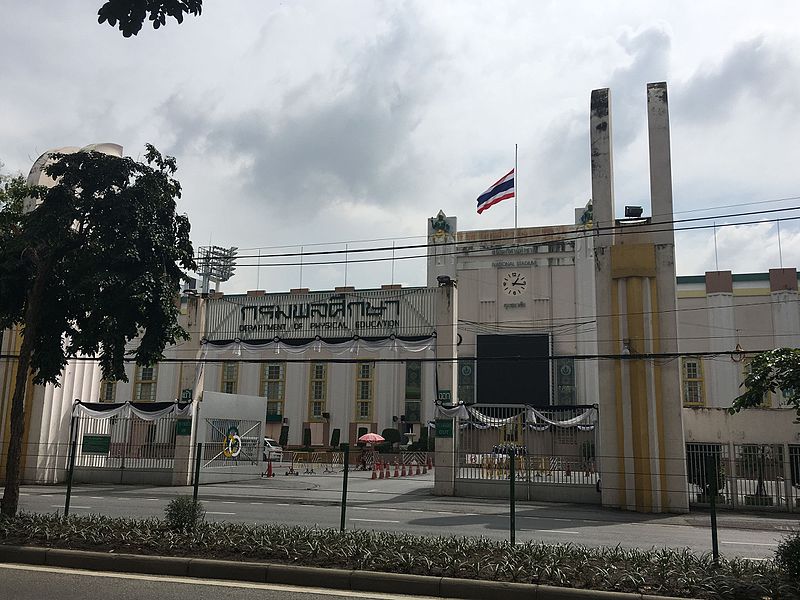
(96, 444)
(444, 428)
(183, 427)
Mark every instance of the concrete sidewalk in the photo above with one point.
(417, 492)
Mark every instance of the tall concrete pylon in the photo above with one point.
(642, 452)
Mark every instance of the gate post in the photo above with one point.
(446, 319)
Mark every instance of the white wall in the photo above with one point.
(752, 426)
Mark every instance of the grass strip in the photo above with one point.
(668, 572)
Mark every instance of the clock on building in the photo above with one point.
(514, 283)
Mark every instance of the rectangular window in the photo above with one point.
(413, 379)
(144, 383)
(108, 391)
(413, 413)
(466, 380)
(365, 374)
(692, 382)
(317, 390)
(273, 382)
(565, 378)
(230, 378)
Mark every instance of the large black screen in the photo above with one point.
(514, 369)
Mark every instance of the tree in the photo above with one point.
(130, 14)
(771, 371)
(13, 192)
(96, 265)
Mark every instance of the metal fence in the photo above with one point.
(125, 442)
(550, 447)
(749, 476)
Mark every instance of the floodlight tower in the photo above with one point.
(216, 264)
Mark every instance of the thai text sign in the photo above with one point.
(96, 444)
(370, 313)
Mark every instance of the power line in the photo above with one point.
(514, 238)
(467, 251)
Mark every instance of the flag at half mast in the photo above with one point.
(501, 190)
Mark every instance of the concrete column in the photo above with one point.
(643, 466)
(722, 379)
(785, 316)
(602, 161)
(660, 162)
(182, 466)
(447, 378)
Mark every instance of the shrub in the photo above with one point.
(788, 554)
(183, 514)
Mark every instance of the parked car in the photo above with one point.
(272, 451)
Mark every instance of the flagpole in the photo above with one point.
(516, 188)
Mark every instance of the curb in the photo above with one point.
(339, 579)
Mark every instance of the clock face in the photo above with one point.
(514, 283)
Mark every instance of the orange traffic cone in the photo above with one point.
(374, 473)
(569, 470)
(430, 462)
(424, 469)
(387, 473)
(418, 471)
(403, 472)
(380, 471)
(396, 469)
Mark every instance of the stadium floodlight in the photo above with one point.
(216, 264)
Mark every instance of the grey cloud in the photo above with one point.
(562, 162)
(343, 135)
(756, 69)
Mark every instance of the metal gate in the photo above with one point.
(555, 449)
(128, 445)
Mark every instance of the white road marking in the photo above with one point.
(96, 497)
(750, 543)
(552, 531)
(71, 506)
(257, 503)
(213, 582)
(375, 520)
(228, 502)
(211, 512)
(283, 505)
(359, 508)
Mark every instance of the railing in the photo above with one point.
(132, 443)
(749, 476)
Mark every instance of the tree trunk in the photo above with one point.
(10, 501)
(11, 493)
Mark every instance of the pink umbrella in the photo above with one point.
(371, 438)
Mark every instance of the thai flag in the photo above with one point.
(499, 191)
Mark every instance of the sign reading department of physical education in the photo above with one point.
(327, 315)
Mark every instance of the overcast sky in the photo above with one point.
(296, 123)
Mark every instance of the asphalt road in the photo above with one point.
(25, 582)
(407, 505)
